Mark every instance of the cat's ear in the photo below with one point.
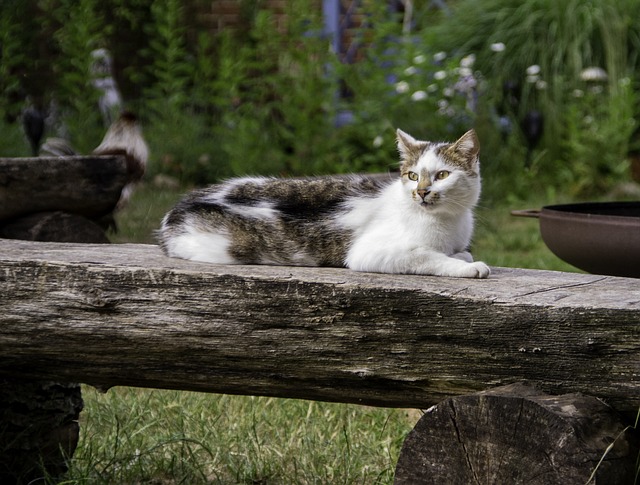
(467, 146)
(408, 146)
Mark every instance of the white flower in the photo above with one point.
(402, 87)
(447, 111)
(468, 61)
(411, 70)
(440, 75)
(420, 59)
(533, 70)
(432, 88)
(448, 92)
(419, 95)
(594, 74)
(466, 84)
(578, 93)
(440, 56)
(498, 47)
(443, 104)
(533, 79)
(465, 72)
(541, 85)
(378, 141)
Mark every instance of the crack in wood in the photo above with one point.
(561, 287)
(461, 441)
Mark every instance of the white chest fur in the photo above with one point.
(393, 234)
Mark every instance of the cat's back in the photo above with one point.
(287, 197)
(302, 190)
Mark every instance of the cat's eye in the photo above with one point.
(412, 176)
(442, 174)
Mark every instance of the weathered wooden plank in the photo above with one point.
(84, 185)
(127, 315)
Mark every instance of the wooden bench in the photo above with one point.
(125, 315)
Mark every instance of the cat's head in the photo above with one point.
(443, 177)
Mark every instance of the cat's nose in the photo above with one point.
(424, 192)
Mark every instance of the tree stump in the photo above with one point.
(39, 429)
(515, 435)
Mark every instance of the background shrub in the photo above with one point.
(272, 98)
(551, 51)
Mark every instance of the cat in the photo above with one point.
(419, 223)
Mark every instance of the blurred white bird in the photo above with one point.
(110, 102)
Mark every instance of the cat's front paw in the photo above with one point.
(477, 270)
(460, 269)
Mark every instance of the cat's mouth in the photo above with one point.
(429, 201)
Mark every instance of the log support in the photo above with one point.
(518, 435)
(38, 429)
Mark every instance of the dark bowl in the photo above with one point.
(597, 237)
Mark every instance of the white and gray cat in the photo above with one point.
(420, 223)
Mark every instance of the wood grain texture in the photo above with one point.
(517, 435)
(85, 185)
(111, 315)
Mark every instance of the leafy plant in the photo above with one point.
(602, 125)
(77, 31)
(280, 117)
(170, 67)
(12, 57)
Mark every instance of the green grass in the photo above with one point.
(141, 217)
(514, 242)
(152, 436)
(166, 437)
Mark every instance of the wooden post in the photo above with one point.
(518, 435)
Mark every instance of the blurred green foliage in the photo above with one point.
(268, 97)
(574, 61)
